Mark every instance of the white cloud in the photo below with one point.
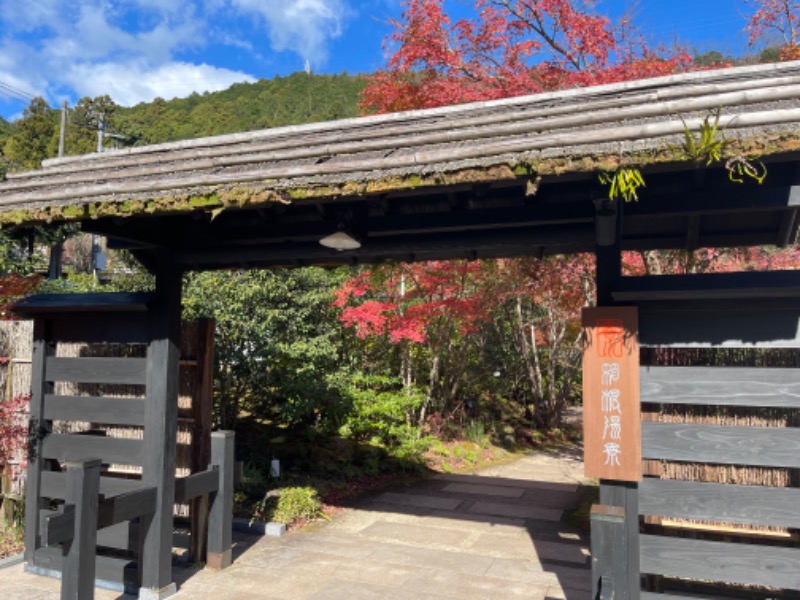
(304, 27)
(18, 68)
(29, 15)
(133, 82)
(94, 47)
(140, 49)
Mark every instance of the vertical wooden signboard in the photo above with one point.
(612, 438)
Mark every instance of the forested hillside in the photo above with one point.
(298, 98)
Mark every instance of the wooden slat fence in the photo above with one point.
(706, 533)
(717, 513)
(98, 392)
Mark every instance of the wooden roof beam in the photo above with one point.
(525, 241)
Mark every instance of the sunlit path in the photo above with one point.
(494, 534)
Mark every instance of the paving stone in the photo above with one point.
(493, 535)
(500, 546)
(562, 552)
(525, 483)
(526, 548)
(458, 562)
(476, 522)
(429, 537)
(528, 571)
(574, 579)
(512, 510)
(552, 498)
(339, 589)
(562, 593)
(369, 571)
(339, 546)
(484, 490)
(531, 571)
(472, 587)
(419, 501)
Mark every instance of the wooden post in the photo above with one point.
(78, 568)
(619, 493)
(220, 520)
(160, 429)
(609, 553)
(609, 256)
(202, 405)
(37, 429)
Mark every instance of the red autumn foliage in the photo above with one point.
(14, 287)
(413, 297)
(715, 260)
(13, 435)
(508, 48)
(776, 16)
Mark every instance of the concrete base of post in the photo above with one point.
(154, 594)
(217, 561)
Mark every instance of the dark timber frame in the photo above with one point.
(130, 516)
(516, 177)
(733, 310)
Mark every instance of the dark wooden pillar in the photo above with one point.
(202, 406)
(617, 493)
(608, 225)
(220, 525)
(78, 570)
(37, 429)
(160, 431)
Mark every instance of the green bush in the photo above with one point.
(382, 411)
(297, 503)
(475, 432)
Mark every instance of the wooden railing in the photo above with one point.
(75, 525)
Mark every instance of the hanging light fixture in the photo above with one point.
(340, 241)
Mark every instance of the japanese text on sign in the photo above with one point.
(612, 439)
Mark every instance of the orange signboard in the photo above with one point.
(612, 438)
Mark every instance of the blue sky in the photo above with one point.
(136, 50)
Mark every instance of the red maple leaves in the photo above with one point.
(777, 16)
(406, 302)
(14, 287)
(509, 48)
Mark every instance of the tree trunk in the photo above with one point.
(652, 264)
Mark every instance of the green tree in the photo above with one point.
(712, 58)
(278, 344)
(32, 140)
(84, 121)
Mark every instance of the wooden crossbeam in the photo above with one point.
(59, 526)
(197, 484)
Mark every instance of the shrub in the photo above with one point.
(382, 411)
(296, 504)
(475, 432)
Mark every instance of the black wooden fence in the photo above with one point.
(74, 500)
(682, 537)
(711, 554)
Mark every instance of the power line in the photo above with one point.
(15, 93)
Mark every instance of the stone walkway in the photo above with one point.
(496, 534)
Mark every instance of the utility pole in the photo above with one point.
(55, 266)
(63, 132)
(101, 130)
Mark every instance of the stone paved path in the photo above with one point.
(492, 535)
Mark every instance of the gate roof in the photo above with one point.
(501, 178)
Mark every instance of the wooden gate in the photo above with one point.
(90, 492)
(678, 531)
